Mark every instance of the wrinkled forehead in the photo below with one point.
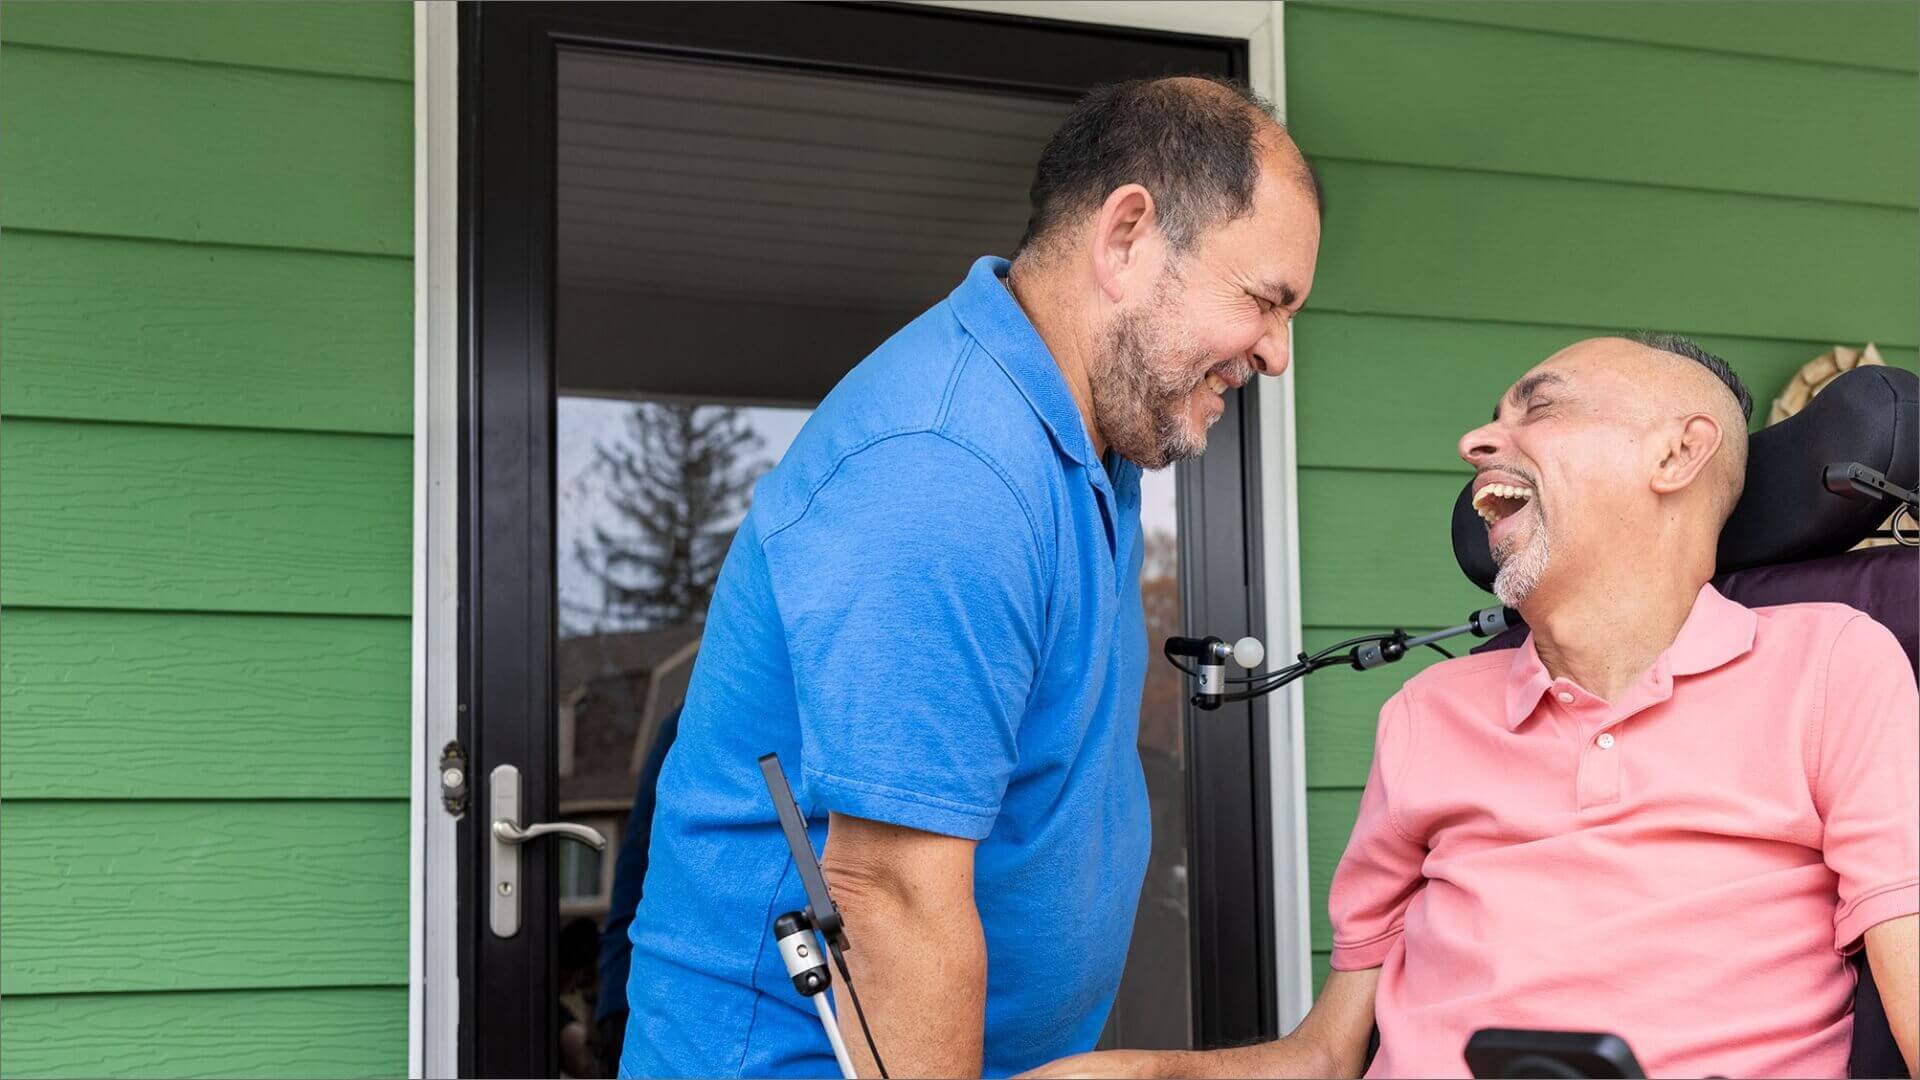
(1277, 242)
(1592, 374)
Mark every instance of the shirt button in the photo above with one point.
(1565, 697)
(1606, 741)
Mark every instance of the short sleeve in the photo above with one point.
(1381, 870)
(911, 594)
(1867, 779)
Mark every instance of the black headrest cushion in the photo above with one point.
(1870, 415)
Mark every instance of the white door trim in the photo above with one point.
(433, 983)
(1261, 23)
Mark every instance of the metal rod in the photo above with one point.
(833, 1036)
(1438, 635)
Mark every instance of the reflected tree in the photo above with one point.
(675, 485)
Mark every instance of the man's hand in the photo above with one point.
(1893, 951)
(1331, 1041)
(919, 957)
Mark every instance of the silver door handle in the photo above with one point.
(511, 833)
(503, 799)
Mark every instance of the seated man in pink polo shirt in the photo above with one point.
(1666, 816)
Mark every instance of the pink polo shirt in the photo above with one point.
(1685, 868)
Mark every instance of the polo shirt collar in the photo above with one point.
(1717, 631)
(988, 310)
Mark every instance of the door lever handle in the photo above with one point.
(511, 833)
(504, 806)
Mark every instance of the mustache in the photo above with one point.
(1233, 371)
(1511, 470)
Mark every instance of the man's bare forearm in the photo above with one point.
(1291, 1056)
(1331, 1041)
(919, 958)
(1893, 949)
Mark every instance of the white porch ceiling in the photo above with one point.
(751, 185)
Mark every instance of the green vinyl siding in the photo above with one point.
(174, 150)
(1831, 33)
(186, 518)
(207, 516)
(104, 328)
(345, 1032)
(284, 35)
(185, 705)
(1505, 179)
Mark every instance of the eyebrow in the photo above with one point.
(1279, 293)
(1524, 389)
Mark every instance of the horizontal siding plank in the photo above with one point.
(1343, 705)
(1410, 240)
(117, 705)
(113, 896)
(1415, 385)
(1845, 33)
(365, 39)
(354, 1032)
(111, 516)
(1375, 87)
(130, 146)
(1376, 549)
(1330, 816)
(134, 330)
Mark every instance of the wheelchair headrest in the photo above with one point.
(1870, 415)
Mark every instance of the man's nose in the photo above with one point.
(1272, 353)
(1481, 444)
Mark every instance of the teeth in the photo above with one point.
(1503, 491)
(1216, 384)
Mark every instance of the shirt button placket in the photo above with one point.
(1600, 771)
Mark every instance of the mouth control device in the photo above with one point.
(1362, 653)
(807, 938)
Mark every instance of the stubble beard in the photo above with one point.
(1522, 561)
(1141, 386)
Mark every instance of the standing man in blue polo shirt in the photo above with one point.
(932, 613)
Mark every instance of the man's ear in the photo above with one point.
(1688, 449)
(1126, 241)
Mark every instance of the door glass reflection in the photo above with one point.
(1154, 1010)
(649, 494)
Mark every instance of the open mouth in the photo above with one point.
(1498, 502)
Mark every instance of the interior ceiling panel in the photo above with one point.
(678, 178)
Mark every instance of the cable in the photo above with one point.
(1439, 650)
(846, 980)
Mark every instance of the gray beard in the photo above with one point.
(1136, 403)
(1521, 565)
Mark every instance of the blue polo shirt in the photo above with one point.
(932, 614)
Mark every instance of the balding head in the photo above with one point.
(1199, 145)
(1612, 451)
(1692, 380)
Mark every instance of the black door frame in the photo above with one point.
(507, 260)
